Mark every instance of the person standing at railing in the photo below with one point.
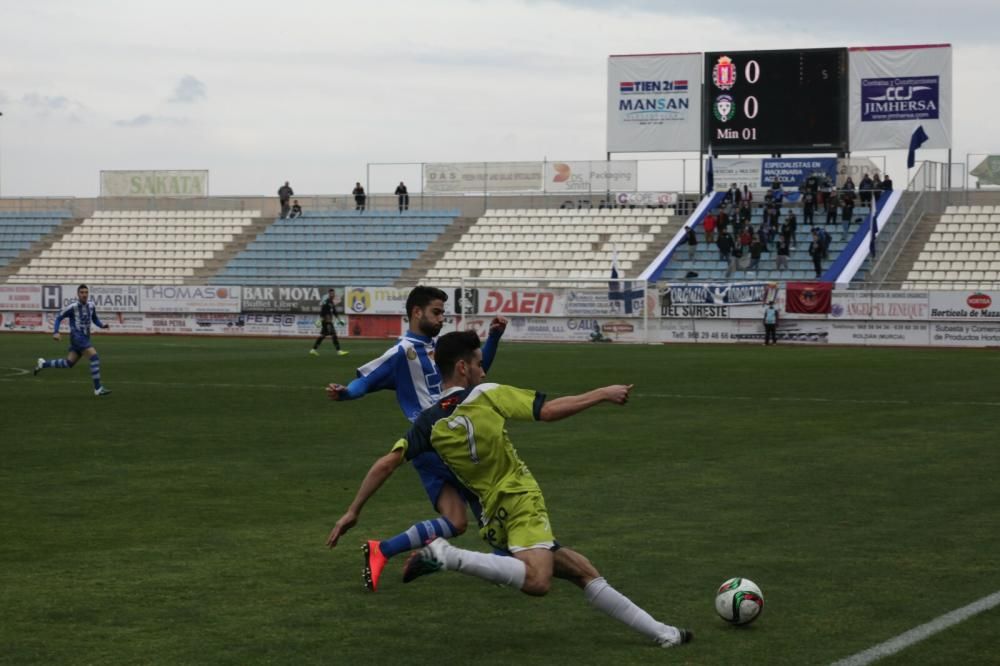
(360, 197)
(865, 188)
(404, 197)
(887, 184)
(285, 194)
(816, 252)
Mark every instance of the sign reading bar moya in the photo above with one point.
(154, 183)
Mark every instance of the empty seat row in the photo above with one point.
(174, 214)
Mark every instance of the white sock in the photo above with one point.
(494, 568)
(608, 600)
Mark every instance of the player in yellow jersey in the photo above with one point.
(466, 427)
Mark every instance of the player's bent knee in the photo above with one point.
(536, 586)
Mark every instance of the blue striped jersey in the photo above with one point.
(80, 316)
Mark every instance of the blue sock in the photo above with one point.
(417, 536)
(95, 370)
(57, 363)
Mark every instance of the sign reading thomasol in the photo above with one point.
(190, 299)
(154, 184)
(654, 103)
(894, 90)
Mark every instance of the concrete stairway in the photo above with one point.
(905, 260)
(39, 246)
(674, 224)
(430, 256)
(222, 257)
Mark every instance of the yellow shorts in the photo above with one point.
(520, 522)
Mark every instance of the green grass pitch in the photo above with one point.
(183, 519)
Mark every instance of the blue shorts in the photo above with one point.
(79, 345)
(434, 474)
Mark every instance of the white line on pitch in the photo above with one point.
(917, 634)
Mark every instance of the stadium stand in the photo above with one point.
(708, 265)
(19, 231)
(552, 244)
(148, 247)
(963, 251)
(337, 247)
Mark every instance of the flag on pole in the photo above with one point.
(917, 140)
(623, 292)
(872, 245)
(709, 174)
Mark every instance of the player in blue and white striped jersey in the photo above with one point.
(81, 315)
(408, 368)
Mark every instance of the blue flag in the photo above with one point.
(917, 140)
(709, 174)
(872, 245)
(623, 292)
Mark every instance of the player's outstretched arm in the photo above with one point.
(379, 472)
(560, 408)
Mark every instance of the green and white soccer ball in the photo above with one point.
(739, 601)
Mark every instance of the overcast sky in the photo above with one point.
(262, 92)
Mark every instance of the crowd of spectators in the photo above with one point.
(741, 245)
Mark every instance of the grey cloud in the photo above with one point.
(188, 90)
(849, 23)
(46, 102)
(145, 120)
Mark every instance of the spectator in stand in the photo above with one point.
(770, 324)
(831, 208)
(865, 188)
(825, 190)
(723, 221)
(781, 260)
(808, 207)
(746, 237)
(763, 234)
(692, 242)
(710, 223)
(747, 194)
(876, 188)
(296, 210)
(725, 245)
(887, 184)
(789, 229)
(816, 252)
(745, 212)
(771, 214)
(847, 212)
(777, 194)
(824, 240)
(848, 187)
(811, 186)
(734, 259)
(360, 197)
(733, 196)
(756, 249)
(404, 197)
(284, 196)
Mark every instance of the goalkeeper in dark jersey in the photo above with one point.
(327, 313)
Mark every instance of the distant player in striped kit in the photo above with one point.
(408, 368)
(80, 315)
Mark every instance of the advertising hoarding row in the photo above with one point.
(551, 177)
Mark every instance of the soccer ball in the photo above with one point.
(739, 601)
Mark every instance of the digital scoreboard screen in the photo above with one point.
(776, 101)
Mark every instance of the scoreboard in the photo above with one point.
(775, 101)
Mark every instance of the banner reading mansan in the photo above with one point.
(654, 102)
(894, 90)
